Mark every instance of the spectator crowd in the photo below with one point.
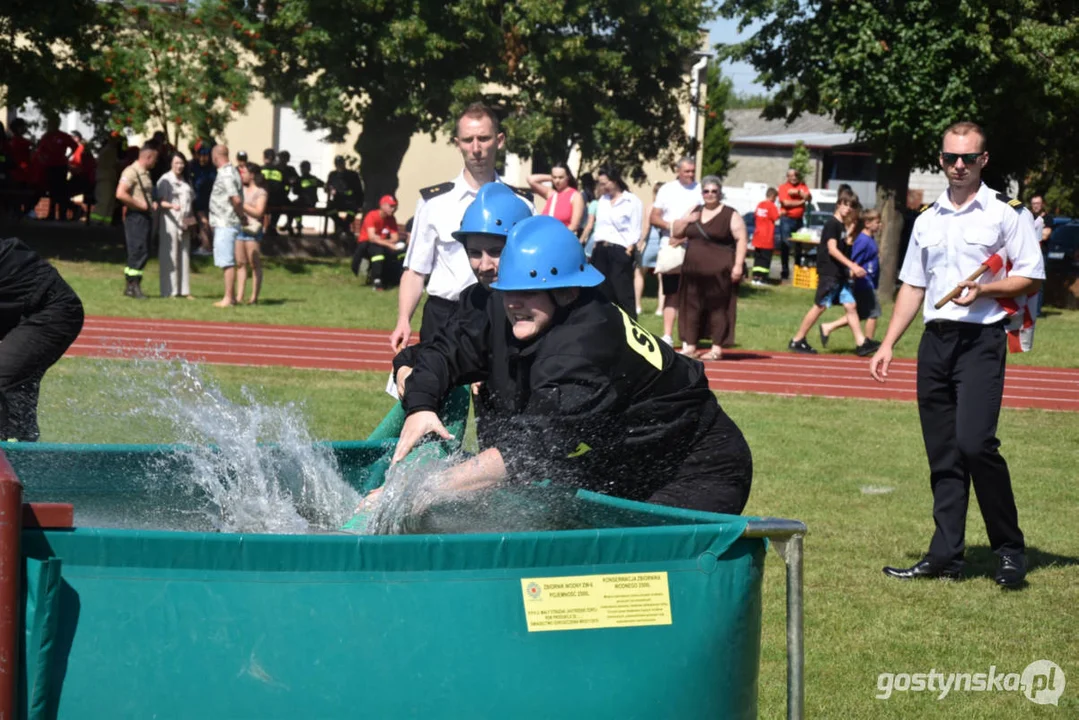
(210, 203)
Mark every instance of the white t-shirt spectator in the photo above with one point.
(675, 200)
(618, 222)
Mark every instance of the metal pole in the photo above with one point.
(786, 537)
(795, 649)
(10, 572)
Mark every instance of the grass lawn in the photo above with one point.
(812, 459)
(323, 292)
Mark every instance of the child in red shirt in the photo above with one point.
(764, 233)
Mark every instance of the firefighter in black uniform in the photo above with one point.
(486, 223)
(289, 176)
(40, 316)
(306, 188)
(577, 391)
(345, 192)
(273, 179)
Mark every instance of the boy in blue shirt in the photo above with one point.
(864, 253)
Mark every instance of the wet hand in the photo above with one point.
(973, 292)
(369, 501)
(416, 426)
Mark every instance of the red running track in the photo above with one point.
(834, 376)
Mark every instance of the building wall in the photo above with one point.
(767, 165)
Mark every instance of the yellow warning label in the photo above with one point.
(584, 602)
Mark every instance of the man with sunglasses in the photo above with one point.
(961, 357)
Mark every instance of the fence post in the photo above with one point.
(10, 574)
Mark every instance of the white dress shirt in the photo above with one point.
(618, 222)
(947, 244)
(675, 200)
(432, 249)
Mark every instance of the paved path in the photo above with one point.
(833, 376)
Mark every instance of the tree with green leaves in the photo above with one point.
(899, 73)
(601, 75)
(44, 50)
(801, 161)
(185, 69)
(716, 155)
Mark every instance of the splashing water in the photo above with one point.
(257, 464)
(414, 500)
(238, 466)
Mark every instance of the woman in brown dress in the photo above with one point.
(715, 257)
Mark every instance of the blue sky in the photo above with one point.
(743, 75)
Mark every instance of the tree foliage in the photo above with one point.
(44, 51)
(716, 158)
(898, 73)
(801, 161)
(604, 75)
(184, 69)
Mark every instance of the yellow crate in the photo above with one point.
(805, 277)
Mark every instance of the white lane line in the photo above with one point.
(134, 335)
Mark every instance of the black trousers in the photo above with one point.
(138, 226)
(436, 314)
(386, 263)
(42, 336)
(59, 197)
(617, 267)
(960, 388)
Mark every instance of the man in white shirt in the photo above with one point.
(674, 201)
(617, 230)
(432, 249)
(962, 353)
(677, 198)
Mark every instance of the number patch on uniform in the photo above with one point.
(642, 342)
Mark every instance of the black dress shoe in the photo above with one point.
(1012, 571)
(927, 569)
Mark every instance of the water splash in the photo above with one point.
(415, 500)
(239, 466)
(257, 464)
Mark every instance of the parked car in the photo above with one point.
(1062, 249)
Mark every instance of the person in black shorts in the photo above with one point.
(40, 316)
(834, 269)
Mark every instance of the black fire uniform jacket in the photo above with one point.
(596, 401)
(40, 316)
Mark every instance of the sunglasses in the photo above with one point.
(709, 192)
(968, 158)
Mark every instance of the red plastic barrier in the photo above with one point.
(10, 571)
(46, 516)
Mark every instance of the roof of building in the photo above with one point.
(749, 128)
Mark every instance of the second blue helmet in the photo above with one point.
(495, 211)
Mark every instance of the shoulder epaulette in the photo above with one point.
(923, 208)
(523, 192)
(1016, 205)
(435, 190)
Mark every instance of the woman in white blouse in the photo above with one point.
(174, 220)
(619, 214)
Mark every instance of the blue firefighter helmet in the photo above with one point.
(542, 254)
(495, 211)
